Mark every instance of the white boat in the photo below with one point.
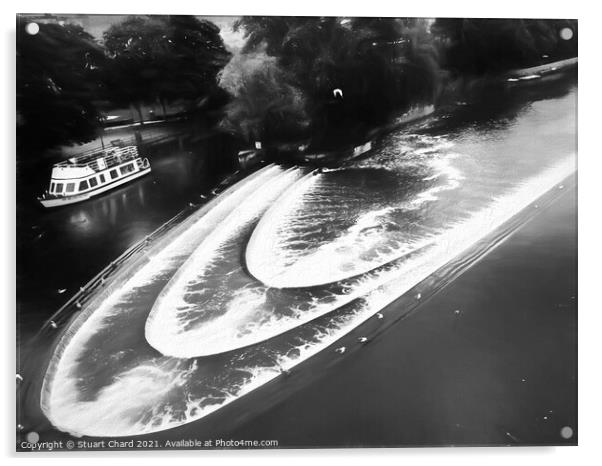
(80, 178)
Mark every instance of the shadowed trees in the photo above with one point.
(265, 104)
(329, 78)
(162, 58)
(380, 65)
(489, 46)
(63, 73)
(57, 82)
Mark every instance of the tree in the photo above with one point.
(380, 65)
(57, 83)
(265, 105)
(490, 46)
(162, 58)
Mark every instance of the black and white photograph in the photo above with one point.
(295, 231)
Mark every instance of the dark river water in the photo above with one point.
(62, 249)
(237, 322)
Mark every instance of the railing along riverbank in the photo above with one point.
(87, 291)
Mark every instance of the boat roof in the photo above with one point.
(112, 156)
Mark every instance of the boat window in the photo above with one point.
(93, 182)
(83, 185)
(59, 187)
(129, 168)
(102, 178)
(51, 187)
(113, 174)
(70, 187)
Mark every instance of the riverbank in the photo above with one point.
(454, 94)
(548, 68)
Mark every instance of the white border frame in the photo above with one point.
(590, 170)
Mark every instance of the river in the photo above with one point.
(265, 289)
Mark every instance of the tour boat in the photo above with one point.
(82, 177)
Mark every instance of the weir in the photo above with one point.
(167, 255)
(181, 372)
(317, 234)
(170, 326)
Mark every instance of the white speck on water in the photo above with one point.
(341, 350)
(419, 295)
(457, 311)
(379, 315)
(362, 339)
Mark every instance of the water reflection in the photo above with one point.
(65, 247)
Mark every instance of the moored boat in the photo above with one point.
(80, 178)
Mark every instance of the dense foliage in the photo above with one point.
(162, 58)
(57, 82)
(327, 79)
(265, 103)
(376, 66)
(63, 73)
(486, 46)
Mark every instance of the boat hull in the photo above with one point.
(67, 200)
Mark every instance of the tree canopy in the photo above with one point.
(265, 104)
(486, 46)
(162, 58)
(57, 82)
(330, 78)
(379, 65)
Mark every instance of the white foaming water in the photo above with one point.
(204, 220)
(442, 167)
(118, 409)
(121, 407)
(357, 250)
(167, 328)
(266, 239)
(60, 399)
(449, 245)
(248, 319)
